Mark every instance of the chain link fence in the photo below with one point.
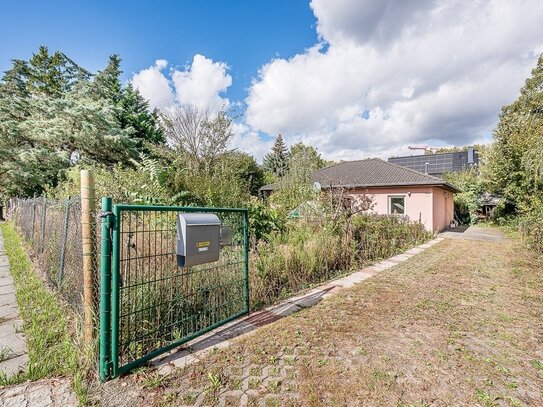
(52, 229)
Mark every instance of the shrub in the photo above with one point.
(531, 225)
(310, 251)
(263, 220)
(467, 202)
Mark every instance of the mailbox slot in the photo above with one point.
(198, 238)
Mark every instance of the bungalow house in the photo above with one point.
(393, 189)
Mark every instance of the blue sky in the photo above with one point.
(244, 34)
(354, 78)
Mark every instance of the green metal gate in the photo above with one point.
(147, 304)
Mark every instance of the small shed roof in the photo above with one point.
(270, 187)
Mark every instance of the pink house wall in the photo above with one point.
(433, 206)
(443, 208)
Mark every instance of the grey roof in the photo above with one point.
(270, 187)
(490, 199)
(373, 172)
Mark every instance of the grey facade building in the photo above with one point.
(439, 163)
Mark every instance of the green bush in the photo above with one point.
(531, 225)
(263, 220)
(467, 202)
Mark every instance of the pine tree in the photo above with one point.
(52, 75)
(49, 119)
(276, 161)
(133, 110)
(135, 115)
(54, 114)
(107, 83)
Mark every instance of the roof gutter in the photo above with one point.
(444, 185)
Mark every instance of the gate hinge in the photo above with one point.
(105, 214)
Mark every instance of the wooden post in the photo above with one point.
(88, 209)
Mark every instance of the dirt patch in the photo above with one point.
(459, 324)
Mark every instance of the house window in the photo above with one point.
(396, 205)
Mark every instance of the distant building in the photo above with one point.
(393, 189)
(439, 163)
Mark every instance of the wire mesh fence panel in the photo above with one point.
(52, 229)
(160, 305)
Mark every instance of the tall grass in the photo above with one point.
(531, 228)
(161, 303)
(313, 251)
(52, 351)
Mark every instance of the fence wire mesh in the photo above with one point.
(52, 229)
(160, 303)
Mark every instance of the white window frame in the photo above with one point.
(389, 201)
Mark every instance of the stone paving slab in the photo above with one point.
(43, 393)
(192, 351)
(13, 350)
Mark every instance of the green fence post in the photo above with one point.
(105, 290)
(246, 257)
(64, 241)
(115, 273)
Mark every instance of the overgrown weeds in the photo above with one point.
(311, 251)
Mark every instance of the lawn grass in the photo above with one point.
(52, 350)
(458, 324)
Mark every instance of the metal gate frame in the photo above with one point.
(110, 285)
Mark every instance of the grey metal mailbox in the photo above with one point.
(198, 238)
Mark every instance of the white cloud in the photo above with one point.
(200, 84)
(389, 74)
(247, 140)
(153, 85)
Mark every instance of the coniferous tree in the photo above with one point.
(133, 110)
(52, 74)
(135, 115)
(276, 161)
(107, 83)
(49, 119)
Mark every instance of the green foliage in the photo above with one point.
(141, 184)
(227, 180)
(51, 349)
(276, 161)
(135, 115)
(309, 155)
(263, 221)
(313, 250)
(515, 160)
(246, 170)
(531, 225)
(51, 74)
(296, 185)
(515, 163)
(53, 116)
(467, 202)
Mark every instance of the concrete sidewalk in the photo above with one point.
(13, 350)
(465, 232)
